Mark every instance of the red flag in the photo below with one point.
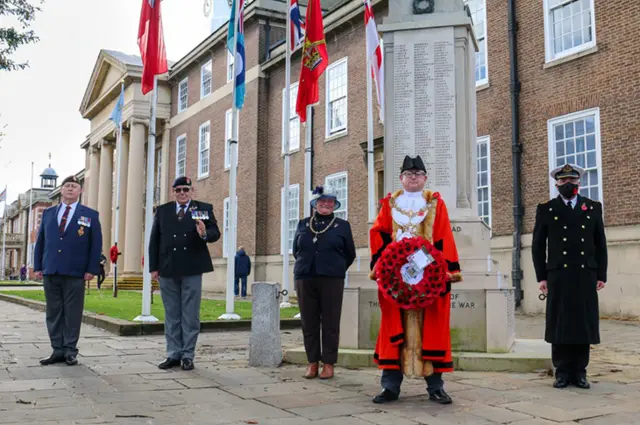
(151, 43)
(314, 60)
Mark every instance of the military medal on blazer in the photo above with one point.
(82, 223)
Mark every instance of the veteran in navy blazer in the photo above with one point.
(67, 253)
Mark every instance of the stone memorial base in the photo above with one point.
(526, 355)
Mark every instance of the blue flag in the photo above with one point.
(239, 60)
(116, 115)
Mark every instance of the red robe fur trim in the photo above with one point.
(436, 339)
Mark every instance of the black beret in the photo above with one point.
(71, 179)
(182, 181)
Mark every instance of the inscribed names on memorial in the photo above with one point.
(424, 110)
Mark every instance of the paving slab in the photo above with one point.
(118, 383)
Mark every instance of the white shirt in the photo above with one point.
(185, 208)
(61, 210)
(573, 201)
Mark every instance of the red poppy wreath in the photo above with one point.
(408, 287)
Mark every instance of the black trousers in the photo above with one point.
(570, 360)
(65, 304)
(320, 301)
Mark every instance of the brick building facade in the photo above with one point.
(576, 64)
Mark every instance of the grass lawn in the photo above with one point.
(17, 282)
(128, 305)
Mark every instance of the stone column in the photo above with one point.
(105, 192)
(166, 147)
(135, 199)
(124, 173)
(94, 176)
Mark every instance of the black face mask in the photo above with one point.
(567, 190)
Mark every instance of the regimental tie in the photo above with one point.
(181, 212)
(63, 221)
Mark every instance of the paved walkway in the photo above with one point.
(117, 382)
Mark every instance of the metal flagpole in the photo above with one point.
(284, 213)
(233, 171)
(308, 158)
(29, 224)
(4, 233)
(148, 213)
(370, 162)
(118, 175)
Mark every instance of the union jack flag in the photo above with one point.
(3, 195)
(297, 26)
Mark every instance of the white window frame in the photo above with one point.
(203, 92)
(595, 113)
(228, 134)
(225, 225)
(179, 139)
(486, 140)
(230, 68)
(292, 121)
(485, 80)
(344, 204)
(202, 173)
(292, 222)
(548, 34)
(184, 81)
(329, 132)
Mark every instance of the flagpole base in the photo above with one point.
(148, 319)
(285, 304)
(229, 316)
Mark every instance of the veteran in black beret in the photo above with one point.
(178, 256)
(571, 227)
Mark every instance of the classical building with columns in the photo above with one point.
(98, 103)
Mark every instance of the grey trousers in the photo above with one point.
(392, 380)
(65, 303)
(181, 298)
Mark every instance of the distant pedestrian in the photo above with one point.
(569, 251)
(178, 256)
(324, 249)
(243, 269)
(67, 253)
(103, 274)
(23, 273)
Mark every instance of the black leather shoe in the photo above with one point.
(385, 397)
(71, 360)
(52, 359)
(582, 382)
(187, 364)
(440, 397)
(561, 382)
(169, 363)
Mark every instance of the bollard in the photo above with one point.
(265, 347)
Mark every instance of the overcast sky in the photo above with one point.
(40, 105)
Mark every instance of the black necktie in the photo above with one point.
(569, 205)
(181, 212)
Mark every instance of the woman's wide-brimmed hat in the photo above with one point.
(320, 192)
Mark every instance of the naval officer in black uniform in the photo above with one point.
(178, 256)
(572, 228)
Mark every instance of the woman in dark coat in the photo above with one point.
(324, 249)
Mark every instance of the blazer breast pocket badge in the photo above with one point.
(81, 231)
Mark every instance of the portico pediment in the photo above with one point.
(110, 69)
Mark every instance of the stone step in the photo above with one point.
(527, 355)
